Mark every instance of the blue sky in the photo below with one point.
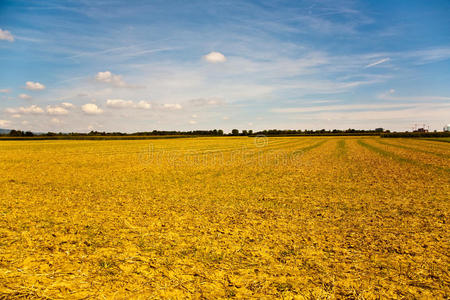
(184, 65)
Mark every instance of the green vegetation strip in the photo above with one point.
(307, 148)
(414, 149)
(398, 157)
(442, 140)
(340, 148)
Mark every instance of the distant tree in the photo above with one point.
(220, 132)
(15, 133)
(235, 132)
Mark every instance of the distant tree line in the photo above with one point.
(19, 133)
(219, 132)
(277, 132)
(416, 134)
(214, 132)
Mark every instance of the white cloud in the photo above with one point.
(106, 76)
(5, 123)
(67, 105)
(391, 91)
(225, 118)
(16, 116)
(215, 57)
(119, 103)
(34, 86)
(24, 96)
(5, 90)
(192, 122)
(6, 35)
(206, 101)
(91, 109)
(57, 110)
(143, 104)
(378, 62)
(172, 106)
(55, 121)
(32, 109)
(113, 79)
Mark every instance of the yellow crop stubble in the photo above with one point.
(223, 217)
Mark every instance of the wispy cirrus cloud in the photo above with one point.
(342, 107)
(378, 62)
(399, 116)
(120, 103)
(25, 97)
(391, 97)
(425, 56)
(172, 106)
(67, 105)
(201, 102)
(5, 123)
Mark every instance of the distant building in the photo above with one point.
(447, 128)
(424, 128)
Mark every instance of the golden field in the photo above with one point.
(287, 217)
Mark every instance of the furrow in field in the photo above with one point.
(249, 149)
(310, 147)
(414, 149)
(426, 144)
(440, 140)
(440, 148)
(402, 158)
(273, 154)
(438, 161)
(341, 149)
